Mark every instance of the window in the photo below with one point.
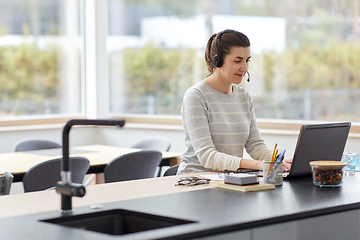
(304, 63)
(40, 61)
(304, 55)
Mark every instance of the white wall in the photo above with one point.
(78, 136)
(124, 137)
(127, 136)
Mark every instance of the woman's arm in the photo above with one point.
(258, 165)
(252, 164)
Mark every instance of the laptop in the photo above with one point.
(315, 142)
(318, 142)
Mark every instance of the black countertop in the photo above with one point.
(214, 211)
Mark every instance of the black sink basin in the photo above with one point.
(117, 221)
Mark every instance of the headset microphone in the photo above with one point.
(248, 76)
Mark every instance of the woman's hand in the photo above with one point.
(257, 164)
(287, 164)
(252, 164)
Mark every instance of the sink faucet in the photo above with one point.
(65, 187)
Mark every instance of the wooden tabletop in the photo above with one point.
(43, 201)
(99, 155)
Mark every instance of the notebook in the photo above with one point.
(318, 142)
(315, 142)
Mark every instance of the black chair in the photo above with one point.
(5, 183)
(171, 170)
(161, 144)
(35, 144)
(132, 166)
(45, 175)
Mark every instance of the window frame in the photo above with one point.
(163, 122)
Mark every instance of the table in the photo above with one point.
(297, 210)
(13, 205)
(99, 155)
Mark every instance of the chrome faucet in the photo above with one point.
(65, 187)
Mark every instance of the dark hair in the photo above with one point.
(229, 38)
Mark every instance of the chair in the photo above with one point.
(171, 170)
(46, 174)
(131, 166)
(158, 143)
(5, 183)
(35, 144)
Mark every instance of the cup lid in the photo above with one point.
(327, 163)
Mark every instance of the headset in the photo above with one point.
(217, 61)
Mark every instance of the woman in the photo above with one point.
(218, 116)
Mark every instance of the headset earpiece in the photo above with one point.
(217, 61)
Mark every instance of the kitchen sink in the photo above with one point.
(117, 221)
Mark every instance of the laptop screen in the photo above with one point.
(318, 142)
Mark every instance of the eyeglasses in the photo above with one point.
(192, 181)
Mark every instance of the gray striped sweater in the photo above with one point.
(217, 128)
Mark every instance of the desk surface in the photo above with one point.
(213, 210)
(99, 155)
(43, 201)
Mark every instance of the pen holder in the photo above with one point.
(273, 172)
